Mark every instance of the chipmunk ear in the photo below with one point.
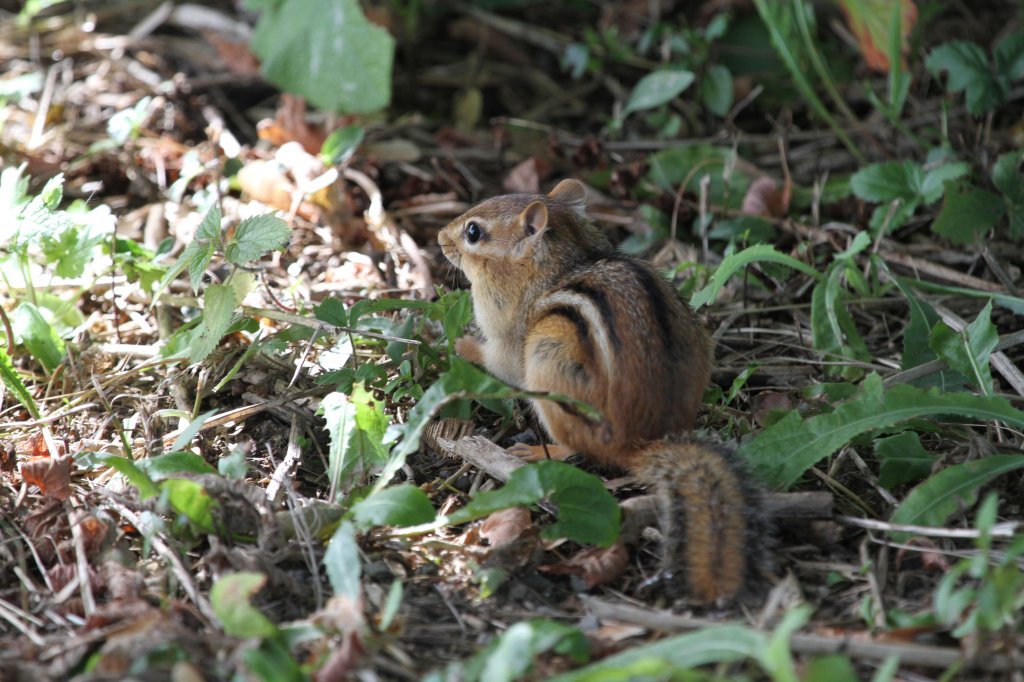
(572, 193)
(534, 219)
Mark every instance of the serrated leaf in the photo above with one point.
(397, 505)
(12, 380)
(780, 454)
(967, 211)
(254, 237)
(219, 305)
(356, 426)
(587, 512)
(969, 72)
(968, 351)
(903, 459)
(887, 181)
(341, 560)
(328, 53)
(951, 490)
(934, 180)
(657, 88)
(199, 252)
(735, 262)
(1008, 179)
(1009, 56)
(32, 330)
(231, 597)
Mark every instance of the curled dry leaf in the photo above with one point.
(52, 476)
(289, 125)
(932, 559)
(597, 566)
(764, 198)
(527, 175)
(506, 525)
(343, 618)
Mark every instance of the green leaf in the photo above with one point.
(12, 380)
(341, 560)
(1009, 56)
(356, 426)
(233, 465)
(256, 236)
(969, 72)
(737, 261)
(715, 644)
(903, 459)
(951, 490)
(967, 211)
(780, 454)
(1008, 179)
(191, 499)
(328, 53)
(231, 597)
(510, 656)
(832, 667)
(587, 512)
(968, 351)
(123, 466)
(190, 431)
(834, 332)
(398, 505)
(173, 463)
(341, 144)
(332, 311)
(35, 332)
(934, 181)
(923, 318)
(219, 305)
(716, 89)
(887, 181)
(657, 88)
(199, 252)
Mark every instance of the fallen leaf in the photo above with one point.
(526, 177)
(52, 476)
(597, 566)
(506, 525)
(763, 198)
(766, 402)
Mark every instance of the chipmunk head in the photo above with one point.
(524, 228)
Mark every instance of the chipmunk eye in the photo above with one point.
(473, 232)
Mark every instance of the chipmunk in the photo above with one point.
(560, 310)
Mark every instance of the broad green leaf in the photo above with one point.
(903, 459)
(737, 261)
(36, 333)
(332, 311)
(272, 661)
(968, 351)
(341, 144)
(173, 463)
(967, 211)
(231, 598)
(923, 318)
(328, 53)
(657, 88)
(397, 505)
(935, 179)
(233, 465)
(190, 431)
(219, 305)
(356, 426)
(715, 644)
(1008, 179)
(780, 454)
(587, 512)
(341, 560)
(832, 667)
(1009, 56)
(124, 466)
(191, 499)
(670, 168)
(969, 72)
(951, 490)
(255, 237)
(887, 181)
(716, 89)
(12, 380)
(368, 306)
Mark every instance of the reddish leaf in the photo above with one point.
(53, 476)
(763, 198)
(871, 22)
(506, 525)
(597, 566)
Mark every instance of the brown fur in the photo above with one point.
(560, 311)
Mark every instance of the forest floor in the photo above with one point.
(169, 482)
